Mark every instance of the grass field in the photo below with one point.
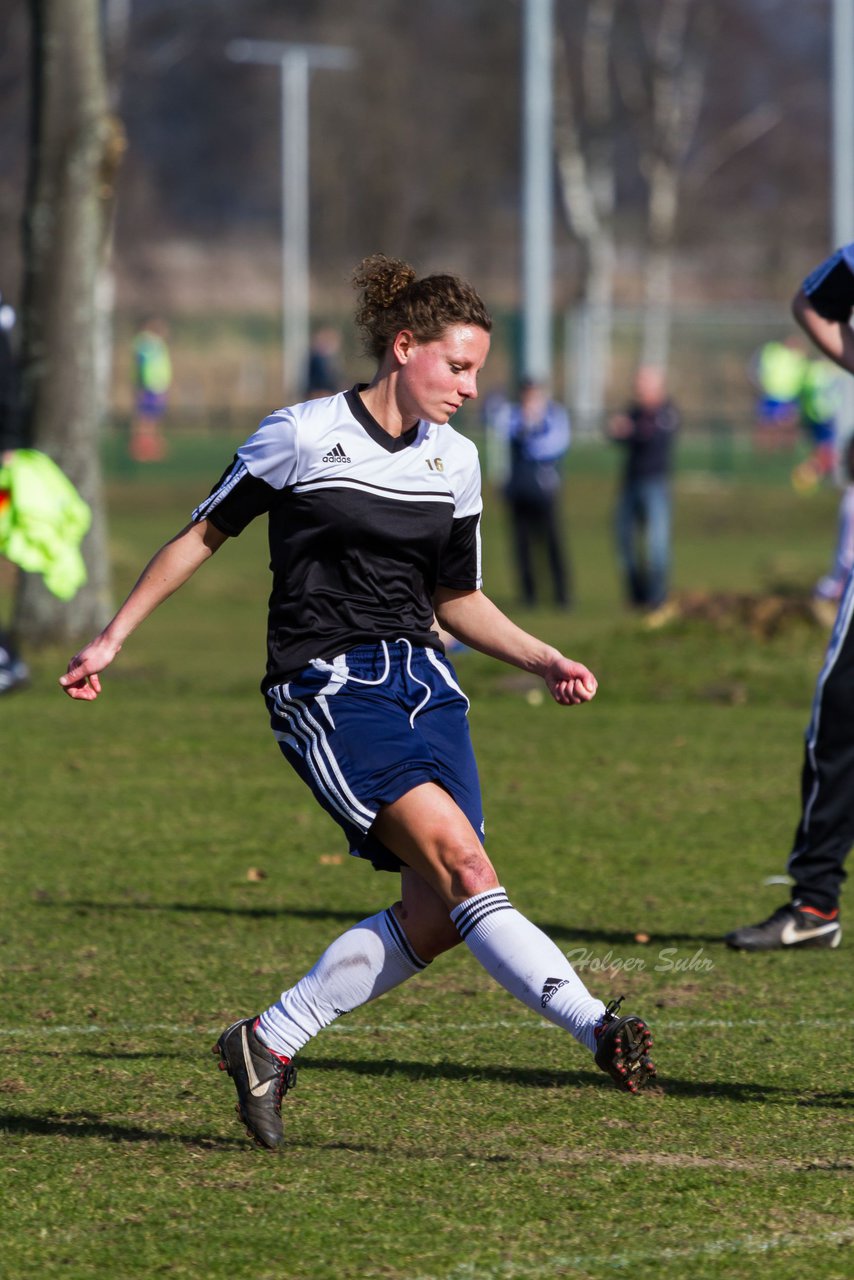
(443, 1133)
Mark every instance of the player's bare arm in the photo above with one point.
(170, 567)
(476, 621)
(834, 337)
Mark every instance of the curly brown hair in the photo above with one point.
(393, 298)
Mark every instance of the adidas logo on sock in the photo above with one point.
(336, 455)
(551, 986)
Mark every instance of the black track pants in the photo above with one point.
(826, 830)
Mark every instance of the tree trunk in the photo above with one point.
(74, 148)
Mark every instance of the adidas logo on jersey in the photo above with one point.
(551, 986)
(336, 455)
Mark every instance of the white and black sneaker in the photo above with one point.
(261, 1078)
(794, 925)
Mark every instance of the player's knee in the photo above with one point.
(470, 871)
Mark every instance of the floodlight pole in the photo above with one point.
(537, 191)
(295, 63)
(842, 63)
(843, 121)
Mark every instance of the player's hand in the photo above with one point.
(569, 682)
(82, 679)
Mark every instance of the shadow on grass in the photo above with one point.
(101, 1055)
(561, 933)
(86, 1124)
(206, 908)
(520, 1077)
(540, 1078)
(89, 1125)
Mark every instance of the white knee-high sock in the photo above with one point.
(363, 963)
(527, 963)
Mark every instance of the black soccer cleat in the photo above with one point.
(794, 925)
(622, 1049)
(260, 1077)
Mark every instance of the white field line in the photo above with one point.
(419, 1028)
(596, 1262)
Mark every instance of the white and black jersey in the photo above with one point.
(363, 526)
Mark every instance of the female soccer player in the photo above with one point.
(373, 503)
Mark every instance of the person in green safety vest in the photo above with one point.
(819, 402)
(152, 376)
(778, 373)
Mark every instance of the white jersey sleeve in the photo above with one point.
(272, 453)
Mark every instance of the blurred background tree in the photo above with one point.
(75, 147)
(692, 165)
(419, 151)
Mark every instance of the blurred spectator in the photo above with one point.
(13, 671)
(323, 377)
(537, 434)
(493, 407)
(646, 432)
(152, 367)
(819, 402)
(777, 371)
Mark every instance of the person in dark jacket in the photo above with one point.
(646, 432)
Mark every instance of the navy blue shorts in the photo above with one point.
(151, 403)
(371, 724)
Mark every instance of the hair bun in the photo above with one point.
(382, 280)
(392, 298)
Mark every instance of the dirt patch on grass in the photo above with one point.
(762, 616)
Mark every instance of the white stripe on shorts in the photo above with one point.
(434, 657)
(321, 761)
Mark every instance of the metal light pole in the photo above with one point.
(843, 121)
(295, 63)
(842, 64)
(537, 195)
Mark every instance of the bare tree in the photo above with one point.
(585, 145)
(664, 100)
(75, 146)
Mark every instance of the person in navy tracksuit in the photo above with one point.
(822, 307)
(537, 433)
